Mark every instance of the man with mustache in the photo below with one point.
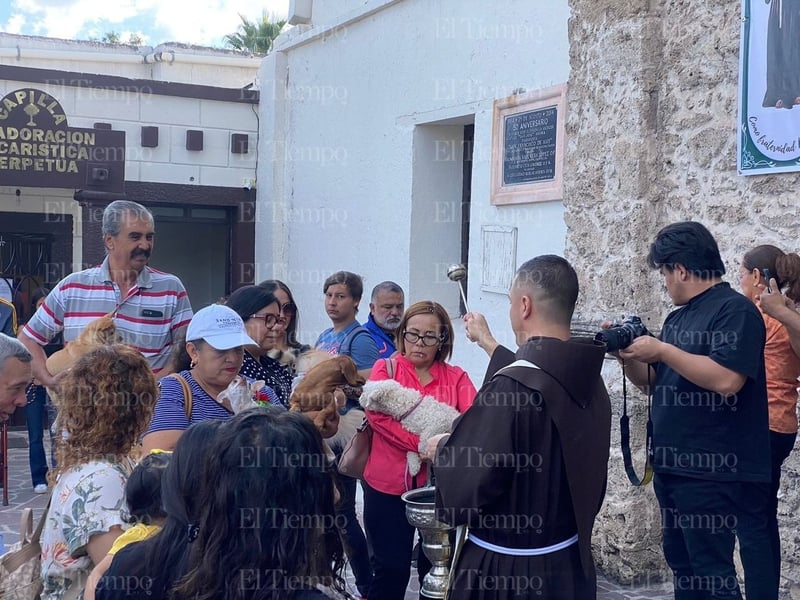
(385, 311)
(150, 307)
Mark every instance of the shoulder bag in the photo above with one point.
(356, 452)
(20, 568)
(187, 395)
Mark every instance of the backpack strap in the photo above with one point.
(187, 395)
(347, 344)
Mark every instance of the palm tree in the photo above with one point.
(255, 37)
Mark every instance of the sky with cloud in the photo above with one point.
(202, 22)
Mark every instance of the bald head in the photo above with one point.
(552, 284)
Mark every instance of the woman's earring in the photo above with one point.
(193, 364)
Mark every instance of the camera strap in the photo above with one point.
(625, 435)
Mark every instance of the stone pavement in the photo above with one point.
(21, 496)
(20, 489)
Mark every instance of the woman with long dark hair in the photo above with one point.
(150, 568)
(267, 528)
(281, 346)
(262, 316)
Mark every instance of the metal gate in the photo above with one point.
(23, 269)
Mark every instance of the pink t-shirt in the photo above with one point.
(386, 467)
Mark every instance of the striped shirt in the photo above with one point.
(146, 318)
(170, 411)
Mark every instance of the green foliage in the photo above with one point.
(114, 37)
(255, 36)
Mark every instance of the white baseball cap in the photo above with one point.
(219, 326)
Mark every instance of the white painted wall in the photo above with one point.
(181, 63)
(350, 120)
(170, 162)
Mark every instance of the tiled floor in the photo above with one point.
(21, 496)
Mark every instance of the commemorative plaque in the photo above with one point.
(528, 147)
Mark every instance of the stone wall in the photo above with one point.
(651, 134)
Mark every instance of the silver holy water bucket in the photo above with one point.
(421, 513)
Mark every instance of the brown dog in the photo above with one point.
(320, 391)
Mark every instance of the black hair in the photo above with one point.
(179, 359)
(160, 561)
(166, 551)
(39, 293)
(250, 299)
(553, 284)
(690, 244)
(143, 489)
(267, 508)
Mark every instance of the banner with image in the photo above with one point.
(769, 87)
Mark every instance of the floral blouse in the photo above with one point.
(86, 501)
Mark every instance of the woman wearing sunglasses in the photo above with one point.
(281, 347)
(261, 312)
(424, 344)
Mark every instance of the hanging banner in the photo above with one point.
(769, 87)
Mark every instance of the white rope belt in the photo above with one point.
(522, 551)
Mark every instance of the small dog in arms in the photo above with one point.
(423, 415)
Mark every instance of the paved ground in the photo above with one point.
(20, 489)
(20, 495)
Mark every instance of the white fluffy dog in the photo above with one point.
(423, 415)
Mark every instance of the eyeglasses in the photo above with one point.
(290, 308)
(270, 319)
(427, 340)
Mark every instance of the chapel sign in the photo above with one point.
(38, 148)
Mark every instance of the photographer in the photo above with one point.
(709, 413)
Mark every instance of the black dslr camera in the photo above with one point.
(621, 335)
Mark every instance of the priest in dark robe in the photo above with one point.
(525, 467)
(783, 54)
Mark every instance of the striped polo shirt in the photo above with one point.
(146, 318)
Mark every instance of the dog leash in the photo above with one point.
(412, 409)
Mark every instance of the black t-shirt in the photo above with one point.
(700, 433)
